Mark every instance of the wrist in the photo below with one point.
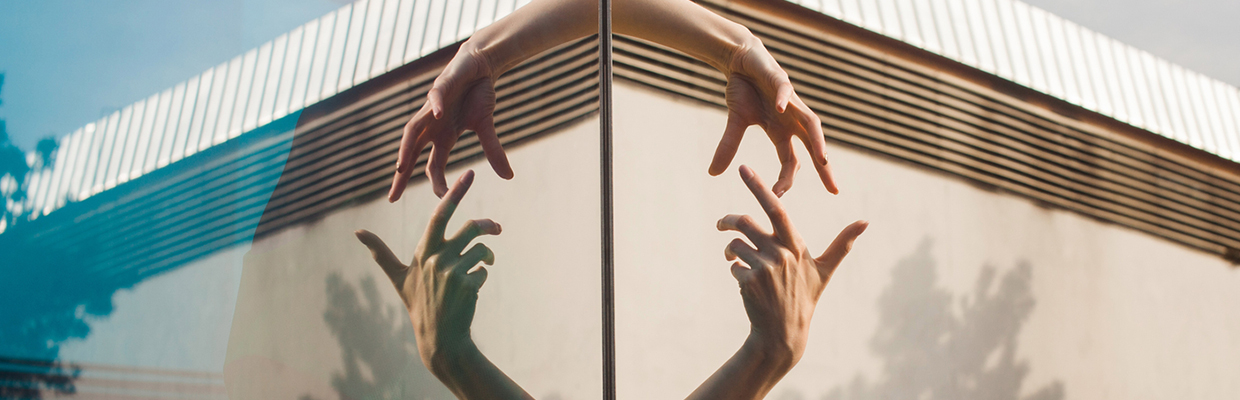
(445, 360)
(735, 40)
(777, 352)
(483, 57)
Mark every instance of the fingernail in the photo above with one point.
(746, 173)
(780, 193)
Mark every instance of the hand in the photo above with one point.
(462, 97)
(438, 287)
(780, 280)
(759, 93)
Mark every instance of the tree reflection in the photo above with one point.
(937, 345)
(37, 318)
(380, 358)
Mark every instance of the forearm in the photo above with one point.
(532, 29)
(470, 375)
(684, 26)
(543, 24)
(750, 373)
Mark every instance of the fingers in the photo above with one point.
(815, 143)
(412, 141)
(399, 181)
(493, 149)
(747, 226)
(840, 247)
(742, 273)
(737, 248)
(443, 212)
(411, 144)
(469, 232)
(383, 255)
(773, 208)
(783, 93)
(788, 167)
(435, 99)
(435, 167)
(480, 253)
(731, 141)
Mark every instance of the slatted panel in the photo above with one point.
(871, 100)
(343, 150)
(1006, 37)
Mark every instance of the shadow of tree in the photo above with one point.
(36, 318)
(937, 345)
(377, 344)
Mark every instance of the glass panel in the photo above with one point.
(199, 240)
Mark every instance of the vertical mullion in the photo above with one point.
(605, 164)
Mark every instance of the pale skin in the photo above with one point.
(780, 284)
(758, 91)
(440, 290)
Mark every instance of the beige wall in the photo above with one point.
(954, 292)
(538, 315)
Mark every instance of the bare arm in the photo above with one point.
(758, 90)
(780, 285)
(440, 290)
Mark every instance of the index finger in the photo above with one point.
(773, 208)
(816, 143)
(447, 205)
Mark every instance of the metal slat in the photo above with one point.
(275, 72)
(236, 120)
(309, 42)
(288, 75)
(335, 54)
(366, 45)
(383, 47)
(318, 68)
(1080, 68)
(219, 132)
(130, 145)
(353, 45)
(133, 168)
(212, 119)
(177, 117)
(160, 134)
(200, 111)
(400, 34)
(110, 153)
(418, 29)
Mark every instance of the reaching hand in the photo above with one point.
(759, 93)
(780, 280)
(462, 97)
(438, 287)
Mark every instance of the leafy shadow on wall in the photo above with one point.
(935, 344)
(380, 354)
(46, 301)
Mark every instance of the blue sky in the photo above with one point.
(69, 62)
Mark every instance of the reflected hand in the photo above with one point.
(438, 287)
(759, 93)
(462, 97)
(780, 280)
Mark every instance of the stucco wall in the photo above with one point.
(954, 291)
(312, 302)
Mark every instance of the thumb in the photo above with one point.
(383, 255)
(839, 248)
